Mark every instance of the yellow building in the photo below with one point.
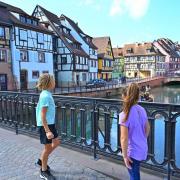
(105, 57)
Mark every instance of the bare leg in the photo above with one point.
(44, 156)
(48, 150)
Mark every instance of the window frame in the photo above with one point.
(27, 57)
(35, 76)
(63, 59)
(3, 30)
(5, 55)
(39, 55)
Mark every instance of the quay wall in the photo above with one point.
(154, 82)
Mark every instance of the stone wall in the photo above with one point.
(159, 81)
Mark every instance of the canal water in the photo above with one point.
(165, 94)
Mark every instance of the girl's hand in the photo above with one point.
(49, 135)
(127, 162)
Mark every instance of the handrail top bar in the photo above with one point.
(93, 98)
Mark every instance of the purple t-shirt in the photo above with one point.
(137, 140)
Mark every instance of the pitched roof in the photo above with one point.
(118, 52)
(79, 31)
(5, 18)
(169, 46)
(140, 49)
(8, 18)
(13, 8)
(63, 36)
(52, 17)
(101, 43)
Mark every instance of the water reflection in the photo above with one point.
(166, 94)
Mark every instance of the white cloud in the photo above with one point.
(116, 7)
(134, 8)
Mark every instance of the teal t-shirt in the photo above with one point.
(45, 100)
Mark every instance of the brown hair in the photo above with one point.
(124, 93)
(45, 81)
(130, 99)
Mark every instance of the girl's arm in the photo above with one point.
(147, 128)
(44, 122)
(124, 146)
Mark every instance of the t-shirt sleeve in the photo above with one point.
(45, 101)
(121, 120)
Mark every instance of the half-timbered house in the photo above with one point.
(143, 60)
(105, 57)
(31, 47)
(171, 52)
(87, 44)
(70, 60)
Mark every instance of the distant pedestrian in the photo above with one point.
(134, 132)
(45, 117)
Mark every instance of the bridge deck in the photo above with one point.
(19, 152)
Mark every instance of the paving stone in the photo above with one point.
(18, 157)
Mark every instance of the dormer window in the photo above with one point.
(129, 51)
(22, 19)
(35, 23)
(28, 21)
(149, 50)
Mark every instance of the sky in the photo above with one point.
(125, 21)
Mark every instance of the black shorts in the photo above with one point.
(43, 137)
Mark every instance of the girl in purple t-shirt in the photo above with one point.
(134, 131)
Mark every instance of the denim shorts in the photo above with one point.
(134, 173)
(42, 133)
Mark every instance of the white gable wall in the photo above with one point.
(33, 63)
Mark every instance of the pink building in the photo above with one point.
(171, 51)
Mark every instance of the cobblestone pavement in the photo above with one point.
(19, 153)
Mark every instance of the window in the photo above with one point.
(35, 74)
(92, 63)
(84, 77)
(35, 22)
(3, 55)
(2, 33)
(130, 50)
(22, 19)
(41, 57)
(40, 38)
(64, 60)
(23, 35)
(78, 60)
(23, 55)
(85, 61)
(29, 21)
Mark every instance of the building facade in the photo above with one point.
(31, 47)
(86, 44)
(171, 52)
(70, 60)
(105, 57)
(143, 60)
(118, 68)
(6, 76)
